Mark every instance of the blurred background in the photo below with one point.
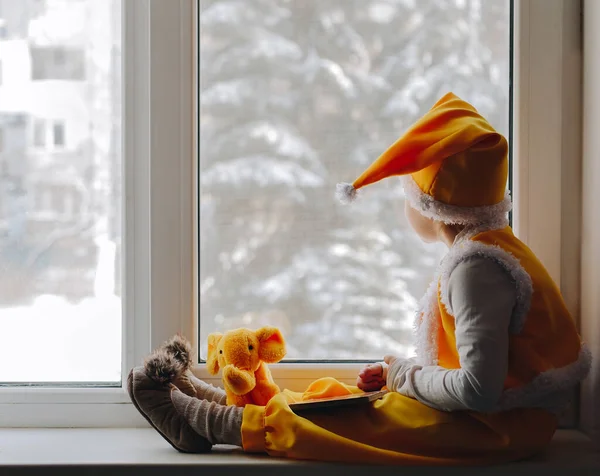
(296, 96)
(60, 190)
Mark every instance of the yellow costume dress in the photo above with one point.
(455, 169)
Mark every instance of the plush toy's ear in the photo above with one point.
(212, 360)
(271, 347)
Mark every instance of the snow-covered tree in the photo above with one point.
(296, 96)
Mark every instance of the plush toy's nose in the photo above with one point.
(237, 380)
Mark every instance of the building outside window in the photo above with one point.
(59, 194)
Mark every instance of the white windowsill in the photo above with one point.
(142, 451)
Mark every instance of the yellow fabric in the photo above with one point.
(453, 154)
(549, 338)
(400, 430)
(321, 388)
(394, 430)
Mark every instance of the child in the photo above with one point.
(497, 351)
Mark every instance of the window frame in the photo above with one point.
(589, 417)
(158, 147)
(159, 54)
(546, 63)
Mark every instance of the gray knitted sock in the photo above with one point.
(206, 391)
(219, 424)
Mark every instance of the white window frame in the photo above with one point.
(160, 189)
(546, 150)
(158, 216)
(547, 143)
(589, 415)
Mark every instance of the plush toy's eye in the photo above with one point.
(250, 347)
(220, 352)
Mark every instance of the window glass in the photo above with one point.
(39, 133)
(60, 304)
(57, 63)
(295, 97)
(59, 134)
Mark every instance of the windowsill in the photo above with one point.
(142, 451)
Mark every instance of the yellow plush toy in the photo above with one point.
(243, 354)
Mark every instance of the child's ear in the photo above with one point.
(271, 345)
(212, 360)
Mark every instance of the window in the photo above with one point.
(39, 133)
(66, 305)
(58, 132)
(147, 53)
(154, 231)
(49, 133)
(58, 63)
(305, 96)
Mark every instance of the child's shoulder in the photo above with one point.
(505, 240)
(526, 269)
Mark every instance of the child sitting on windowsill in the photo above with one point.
(497, 352)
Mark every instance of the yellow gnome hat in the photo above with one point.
(455, 163)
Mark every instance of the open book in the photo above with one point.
(332, 402)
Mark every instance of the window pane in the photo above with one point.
(59, 134)
(39, 133)
(60, 214)
(57, 62)
(295, 97)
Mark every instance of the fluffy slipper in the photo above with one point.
(172, 362)
(152, 398)
(180, 350)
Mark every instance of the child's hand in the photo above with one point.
(372, 377)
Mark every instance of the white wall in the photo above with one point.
(16, 67)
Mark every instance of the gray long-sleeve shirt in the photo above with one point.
(482, 296)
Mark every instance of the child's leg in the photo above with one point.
(220, 424)
(395, 430)
(201, 390)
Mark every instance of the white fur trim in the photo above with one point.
(345, 193)
(547, 390)
(427, 325)
(464, 249)
(452, 214)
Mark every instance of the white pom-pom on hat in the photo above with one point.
(345, 193)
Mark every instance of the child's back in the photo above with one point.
(545, 354)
